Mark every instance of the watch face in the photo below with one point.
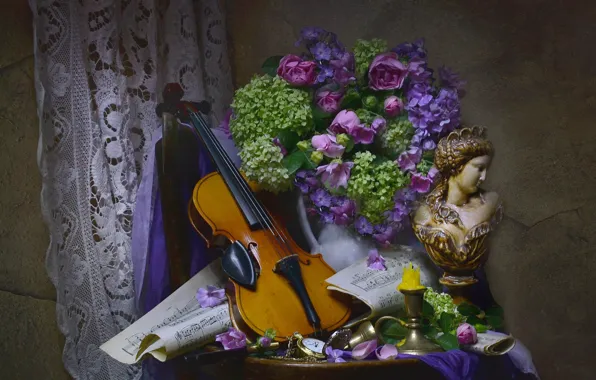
(314, 345)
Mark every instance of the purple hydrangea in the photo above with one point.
(321, 198)
(411, 49)
(306, 181)
(363, 226)
(321, 51)
(451, 79)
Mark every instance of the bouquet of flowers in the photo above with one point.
(354, 131)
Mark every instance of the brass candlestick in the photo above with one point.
(415, 342)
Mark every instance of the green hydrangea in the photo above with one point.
(424, 166)
(366, 116)
(397, 135)
(364, 53)
(442, 303)
(268, 105)
(262, 163)
(373, 183)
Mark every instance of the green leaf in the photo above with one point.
(297, 160)
(270, 333)
(320, 119)
(430, 331)
(271, 64)
(480, 328)
(448, 342)
(468, 310)
(288, 139)
(495, 311)
(474, 320)
(495, 321)
(392, 332)
(351, 100)
(446, 322)
(427, 310)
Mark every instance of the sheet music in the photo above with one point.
(377, 289)
(178, 324)
(491, 344)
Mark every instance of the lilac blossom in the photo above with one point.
(411, 49)
(306, 181)
(210, 297)
(321, 198)
(321, 51)
(343, 211)
(408, 160)
(375, 261)
(363, 226)
(384, 233)
(334, 356)
(232, 339)
(451, 79)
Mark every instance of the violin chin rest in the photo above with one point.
(237, 263)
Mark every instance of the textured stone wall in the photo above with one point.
(30, 343)
(531, 72)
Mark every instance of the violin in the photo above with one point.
(276, 283)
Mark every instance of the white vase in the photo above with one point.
(342, 247)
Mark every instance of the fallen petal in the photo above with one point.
(387, 352)
(364, 349)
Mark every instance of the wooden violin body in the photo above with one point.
(274, 302)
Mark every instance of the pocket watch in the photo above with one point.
(306, 348)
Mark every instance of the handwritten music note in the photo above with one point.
(176, 325)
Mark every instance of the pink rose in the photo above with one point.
(328, 101)
(386, 72)
(335, 174)
(466, 334)
(393, 106)
(344, 122)
(327, 144)
(296, 71)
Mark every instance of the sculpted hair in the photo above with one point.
(452, 154)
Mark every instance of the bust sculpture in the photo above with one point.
(455, 218)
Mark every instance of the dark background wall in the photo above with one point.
(531, 72)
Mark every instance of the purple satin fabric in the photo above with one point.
(148, 246)
(453, 365)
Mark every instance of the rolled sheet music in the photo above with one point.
(377, 289)
(175, 326)
(491, 344)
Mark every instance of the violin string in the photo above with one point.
(280, 238)
(263, 214)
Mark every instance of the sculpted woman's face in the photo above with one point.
(473, 174)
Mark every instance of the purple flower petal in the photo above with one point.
(375, 261)
(386, 352)
(232, 339)
(364, 349)
(363, 226)
(210, 297)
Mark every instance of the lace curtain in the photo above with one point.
(100, 68)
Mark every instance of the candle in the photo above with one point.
(411, 279)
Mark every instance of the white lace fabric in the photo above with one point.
(100, 69)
